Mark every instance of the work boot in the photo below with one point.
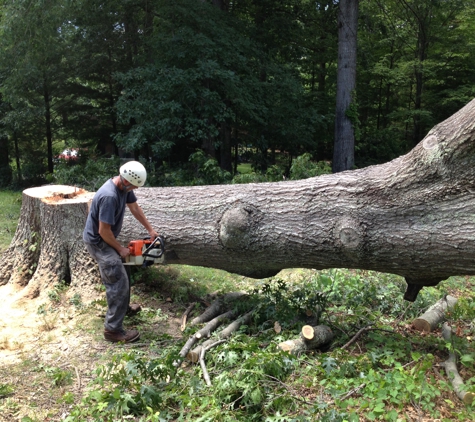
(121, 336)
(133, 309)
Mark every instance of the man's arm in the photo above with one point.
(140, 216)
(106, 234)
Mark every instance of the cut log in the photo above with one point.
(47, 247)
(194, 355)
(311, 338)
(431, 319)
(450, 366)
(220, 305)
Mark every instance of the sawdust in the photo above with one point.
(39, 336)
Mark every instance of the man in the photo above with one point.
(103, 225)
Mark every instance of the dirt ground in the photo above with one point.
(48, 352)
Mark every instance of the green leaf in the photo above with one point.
(116, 394)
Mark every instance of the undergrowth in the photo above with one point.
(391, 373)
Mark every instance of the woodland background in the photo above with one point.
(237, 81)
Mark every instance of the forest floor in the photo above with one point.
(50, 347)
(48, 353)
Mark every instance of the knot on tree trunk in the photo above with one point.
(349, 236)
(238, 226)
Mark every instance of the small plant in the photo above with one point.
(59, 376)
(68, 398)
(76, 300)
(303, 167)
(55, 293)
(285, 303)
(6, 390)
(48, 316)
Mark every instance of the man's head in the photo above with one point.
(134, 173)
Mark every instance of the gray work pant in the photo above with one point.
(115, 279)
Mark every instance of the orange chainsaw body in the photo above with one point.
(136, 246)
(145, 252)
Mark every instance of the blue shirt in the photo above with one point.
(108, 206)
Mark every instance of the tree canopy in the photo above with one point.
(159, 79)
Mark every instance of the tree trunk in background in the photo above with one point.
(49, 133)
(5, 169)
(226, 156)
(412, 216)
(344, 144)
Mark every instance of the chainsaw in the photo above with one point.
(145, 252)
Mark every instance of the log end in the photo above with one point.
(469, 398)
(308, 332)
(193, 357)
(421, 325)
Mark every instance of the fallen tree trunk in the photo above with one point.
(431, 319)
(412, 216)
(450, 366)
(311, 338)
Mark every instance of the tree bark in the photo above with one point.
(412, 216)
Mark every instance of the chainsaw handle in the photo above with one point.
(158, 239)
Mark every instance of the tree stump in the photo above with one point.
(47, 247)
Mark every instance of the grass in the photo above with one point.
(244, 168)
(10, 204)
(390, 373)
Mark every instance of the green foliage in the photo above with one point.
(207, 170)
(6, 390)
(303, 167)
(55, 293)
(90, 174)
(277, 301)
(10, 204)
(164, 78)
(207, 76)
(129, 384)
(59, 377)
(387, 372)
(76, 301)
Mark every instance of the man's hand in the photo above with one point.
(124, 252)
(107, 236)
(153, 234)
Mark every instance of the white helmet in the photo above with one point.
(134, 172)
